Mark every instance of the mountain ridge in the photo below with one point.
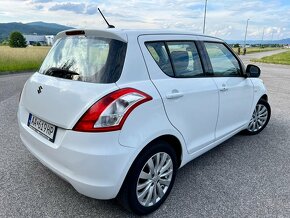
(39, 28)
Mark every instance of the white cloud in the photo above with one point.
(225, 19)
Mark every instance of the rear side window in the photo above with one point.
(88, 59)
(223, 62)
(176, 59)
(185, 59)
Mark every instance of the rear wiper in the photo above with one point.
(61, 73)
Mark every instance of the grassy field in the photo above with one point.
(256, 49)
(21, 59)
(282, 58)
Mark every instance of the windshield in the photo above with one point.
(88, 59)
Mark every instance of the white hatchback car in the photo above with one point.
(117, 112)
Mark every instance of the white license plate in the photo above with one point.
(43, 128)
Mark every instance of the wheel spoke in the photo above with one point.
(263, 118)
(157, 162)
(258, 109)
(143, 185)
(251, 125)
(166, 166)
(144, 175)
(151, 165)
(155, 194)
(160, 190)
(149, 196)
(144, 193)
(260, 124)
(169, 172)
(262, 110)
(164, 182)
(265, 114)
(163, 159)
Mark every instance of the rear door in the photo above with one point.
(235, 91)
(190, 98)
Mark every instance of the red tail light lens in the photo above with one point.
(110, 112)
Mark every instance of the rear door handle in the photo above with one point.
(224, 88)
(174, 94)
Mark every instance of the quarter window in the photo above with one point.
(159, 54)
(223, 62)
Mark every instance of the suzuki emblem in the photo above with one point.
(39, 89)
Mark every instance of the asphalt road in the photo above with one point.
(248, 57)
(243, 177)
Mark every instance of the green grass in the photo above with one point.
(281, 58)
(256, 49)
(21, 59)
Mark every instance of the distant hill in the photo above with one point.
(40, 28)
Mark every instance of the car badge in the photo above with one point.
(39, 89)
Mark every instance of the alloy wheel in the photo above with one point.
(259, 118)
(154, 179)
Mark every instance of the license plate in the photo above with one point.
(43, 128)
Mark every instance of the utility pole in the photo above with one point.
(204, 17)
(246, 33)
(272, 37)
(263, 36)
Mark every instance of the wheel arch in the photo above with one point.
(264, 97)
(172, 140)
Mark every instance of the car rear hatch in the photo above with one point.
(81, 67)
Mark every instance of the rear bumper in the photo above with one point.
(95, 164)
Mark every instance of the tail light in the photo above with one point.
(110, 112)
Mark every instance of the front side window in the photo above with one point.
(223, 62)
(88, 59)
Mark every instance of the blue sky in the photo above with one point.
(226, 19)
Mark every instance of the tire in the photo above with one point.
(260, 118)
(141, 173)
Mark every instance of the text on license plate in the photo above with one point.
(45, 129)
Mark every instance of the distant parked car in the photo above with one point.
(117, 112)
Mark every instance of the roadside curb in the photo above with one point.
(15, 73)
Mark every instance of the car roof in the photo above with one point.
(124, 34)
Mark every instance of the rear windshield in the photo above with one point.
(88, 59)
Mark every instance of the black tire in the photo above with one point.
(267, 106)
(127, 196)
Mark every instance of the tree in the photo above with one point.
(17, 40)
(236, 45)
(5, 42)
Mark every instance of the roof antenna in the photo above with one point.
(109, 25)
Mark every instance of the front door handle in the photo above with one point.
(174, 94)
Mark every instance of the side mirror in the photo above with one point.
(253, 71)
